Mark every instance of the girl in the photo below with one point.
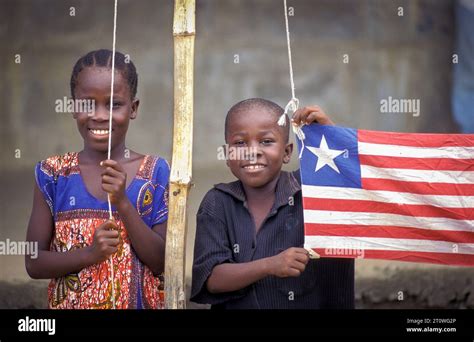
(69, 219)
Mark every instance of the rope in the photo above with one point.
(110, 142)
(293, 104)
(112, 98)
(292, 82)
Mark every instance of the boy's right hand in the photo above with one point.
(311, 114)
(106, 240)
(289, 263)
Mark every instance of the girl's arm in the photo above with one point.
(229, 277)
(149, 244)
(49, 264)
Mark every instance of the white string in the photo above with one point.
(112, 98)
(111, 105)
(293, 104)
(292, 82)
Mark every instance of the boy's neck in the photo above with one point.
(263, 193)
(94, 156)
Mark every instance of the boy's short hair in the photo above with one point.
(268, 105)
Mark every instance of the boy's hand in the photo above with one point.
(114, 179)
(289, 263)
(310, 114)
(106, 240)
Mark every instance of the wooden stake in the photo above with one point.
(181, 164)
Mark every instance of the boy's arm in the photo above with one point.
(233, 277)
(229, 277)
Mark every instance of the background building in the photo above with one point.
(348, 56)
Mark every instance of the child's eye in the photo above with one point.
(267, 141)
(239, 143)
(115, 105)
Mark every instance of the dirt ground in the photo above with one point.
(404, 289)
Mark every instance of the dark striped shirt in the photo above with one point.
(225, 233)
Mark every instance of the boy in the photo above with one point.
(249, 233)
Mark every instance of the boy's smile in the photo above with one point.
(93, 83)
(254, 167)
(257, 130)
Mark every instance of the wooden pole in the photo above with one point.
(181, 164)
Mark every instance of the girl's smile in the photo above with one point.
(99, 132)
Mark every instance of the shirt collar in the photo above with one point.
(287, 186)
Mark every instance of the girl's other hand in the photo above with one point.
(114, 179)
(106, 241)
(310, 114)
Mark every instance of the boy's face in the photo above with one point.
(93, 83)
(256, 130)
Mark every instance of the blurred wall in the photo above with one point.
(407, 56)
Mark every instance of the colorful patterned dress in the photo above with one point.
(77, 213)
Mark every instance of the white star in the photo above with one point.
(325, 155)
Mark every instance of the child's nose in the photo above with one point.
(256, 147)
(254, 151)
(101, 113)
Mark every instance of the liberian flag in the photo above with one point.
(383, 195)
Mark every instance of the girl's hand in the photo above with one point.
(310, 114)
(114, 179)
(106, 240)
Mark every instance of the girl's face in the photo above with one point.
(93, 83)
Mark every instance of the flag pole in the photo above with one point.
(181, 164)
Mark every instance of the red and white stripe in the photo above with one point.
(416, 202)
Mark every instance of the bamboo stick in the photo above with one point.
(181, 164)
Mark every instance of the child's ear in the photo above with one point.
(135, 104)
(288, 152)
